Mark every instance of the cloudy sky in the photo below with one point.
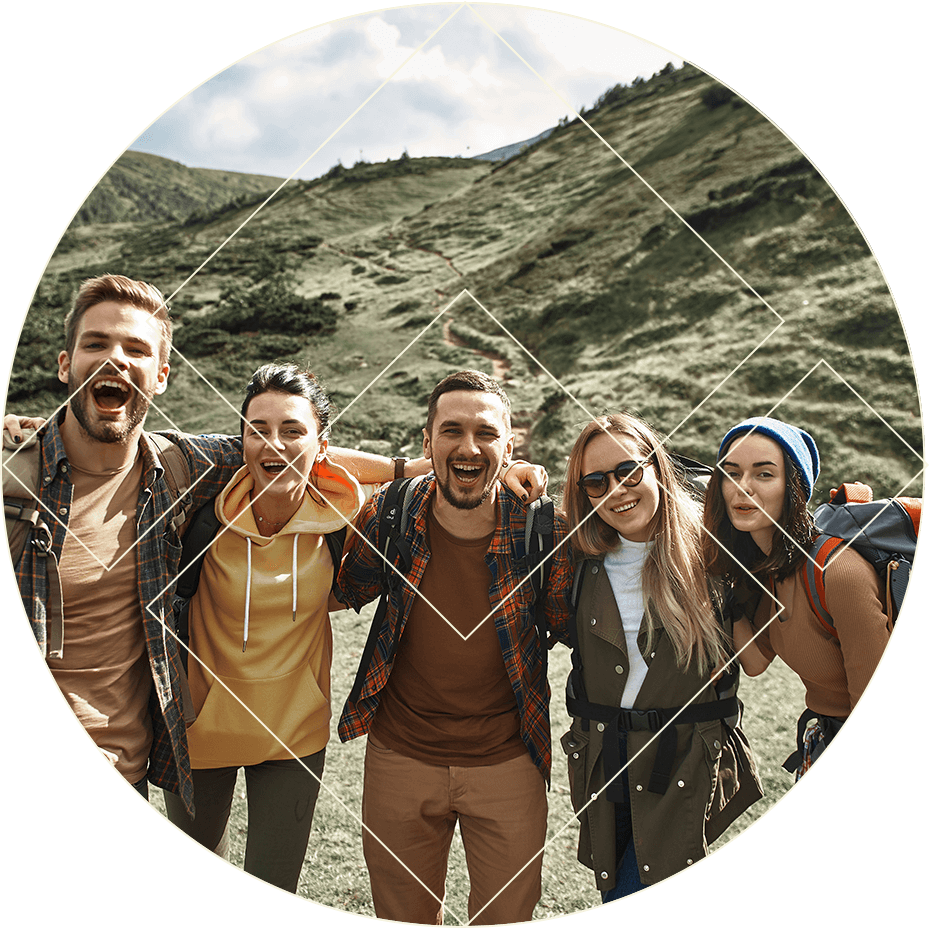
(442, 79)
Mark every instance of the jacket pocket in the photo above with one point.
(576, 745)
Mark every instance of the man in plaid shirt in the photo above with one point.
(103, 493)
(455, 699)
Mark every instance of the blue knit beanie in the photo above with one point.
(797, 445)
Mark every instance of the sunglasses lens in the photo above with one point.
(629, 473)
(595, 484)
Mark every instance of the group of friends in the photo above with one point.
(660, 593)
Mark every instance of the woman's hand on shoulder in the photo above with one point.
(527, 481)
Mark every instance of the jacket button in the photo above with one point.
(619, 668)
(46, 480)
(601, 726)
(604, 875)
(680, 782)
(645, 867)
(716, 745)
(593, 621)
(572, 744)
(638, 788)
(593, 795)
(575, 756)
(689, 861)
(595, 569)
(63, 511)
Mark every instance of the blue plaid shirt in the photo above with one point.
(211, 461)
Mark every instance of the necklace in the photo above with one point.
(268, 522)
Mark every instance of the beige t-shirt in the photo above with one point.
(104, 671)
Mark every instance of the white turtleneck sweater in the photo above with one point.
(624, 569)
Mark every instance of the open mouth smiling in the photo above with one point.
(467, 473)
(110, 394)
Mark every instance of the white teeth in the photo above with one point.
(625, 508)
(115, 384)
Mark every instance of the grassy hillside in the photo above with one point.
(141, 187)
(641, 264)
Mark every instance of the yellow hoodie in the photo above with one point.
(259, 623)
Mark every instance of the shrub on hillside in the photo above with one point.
(273, 306)
(716, 95)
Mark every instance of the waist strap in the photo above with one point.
(619, 720)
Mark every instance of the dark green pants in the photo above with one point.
(281, 801)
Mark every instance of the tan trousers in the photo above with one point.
(412, 807)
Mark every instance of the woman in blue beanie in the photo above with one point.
(759, 531)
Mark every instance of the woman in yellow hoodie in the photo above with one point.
(260, 636)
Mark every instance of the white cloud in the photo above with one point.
(226, 124)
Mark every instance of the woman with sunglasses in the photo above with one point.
(759, 530)
(657, 763)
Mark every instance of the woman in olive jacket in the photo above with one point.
(657, 762)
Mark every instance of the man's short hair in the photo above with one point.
(118, 289)
(476, 381)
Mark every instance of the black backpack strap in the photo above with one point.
(574, 688)
(396, 552)
(202, 529)
(336, 543)
(538, 544)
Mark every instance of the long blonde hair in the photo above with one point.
(674, 583)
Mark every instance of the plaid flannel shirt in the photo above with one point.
(211, 460)
(511, 600)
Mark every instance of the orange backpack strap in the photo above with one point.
(814, 579)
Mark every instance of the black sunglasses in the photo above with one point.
(627, 473)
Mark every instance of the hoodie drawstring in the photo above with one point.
(294, 574)
(248, 590)
(248, 585)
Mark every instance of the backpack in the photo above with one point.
(201, 531)
(532, 550)
(883, 532)
(24, 517)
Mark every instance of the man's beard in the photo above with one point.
(452, 496)
(104, 430)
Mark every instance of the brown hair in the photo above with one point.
(674, 584)
(118, 289)
(731, 553)
(476, 381)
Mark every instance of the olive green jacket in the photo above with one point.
(713, 774)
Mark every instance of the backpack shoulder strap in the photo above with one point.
(20, 492)
(23, 516)
(177, 475)
(538, 544)
(814, 578)
(391, 546)
(336, 544)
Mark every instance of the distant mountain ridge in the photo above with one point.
(141, 187)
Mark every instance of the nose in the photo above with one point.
(745, 485)
(469, 445)
(616, 486)
(117, 358)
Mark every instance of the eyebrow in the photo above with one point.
(285, 422)
(107, 335)
(728, 463)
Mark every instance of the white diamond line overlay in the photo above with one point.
(678, 426)
(319, 148)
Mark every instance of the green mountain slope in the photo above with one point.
(140, 187)
(640, 276)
